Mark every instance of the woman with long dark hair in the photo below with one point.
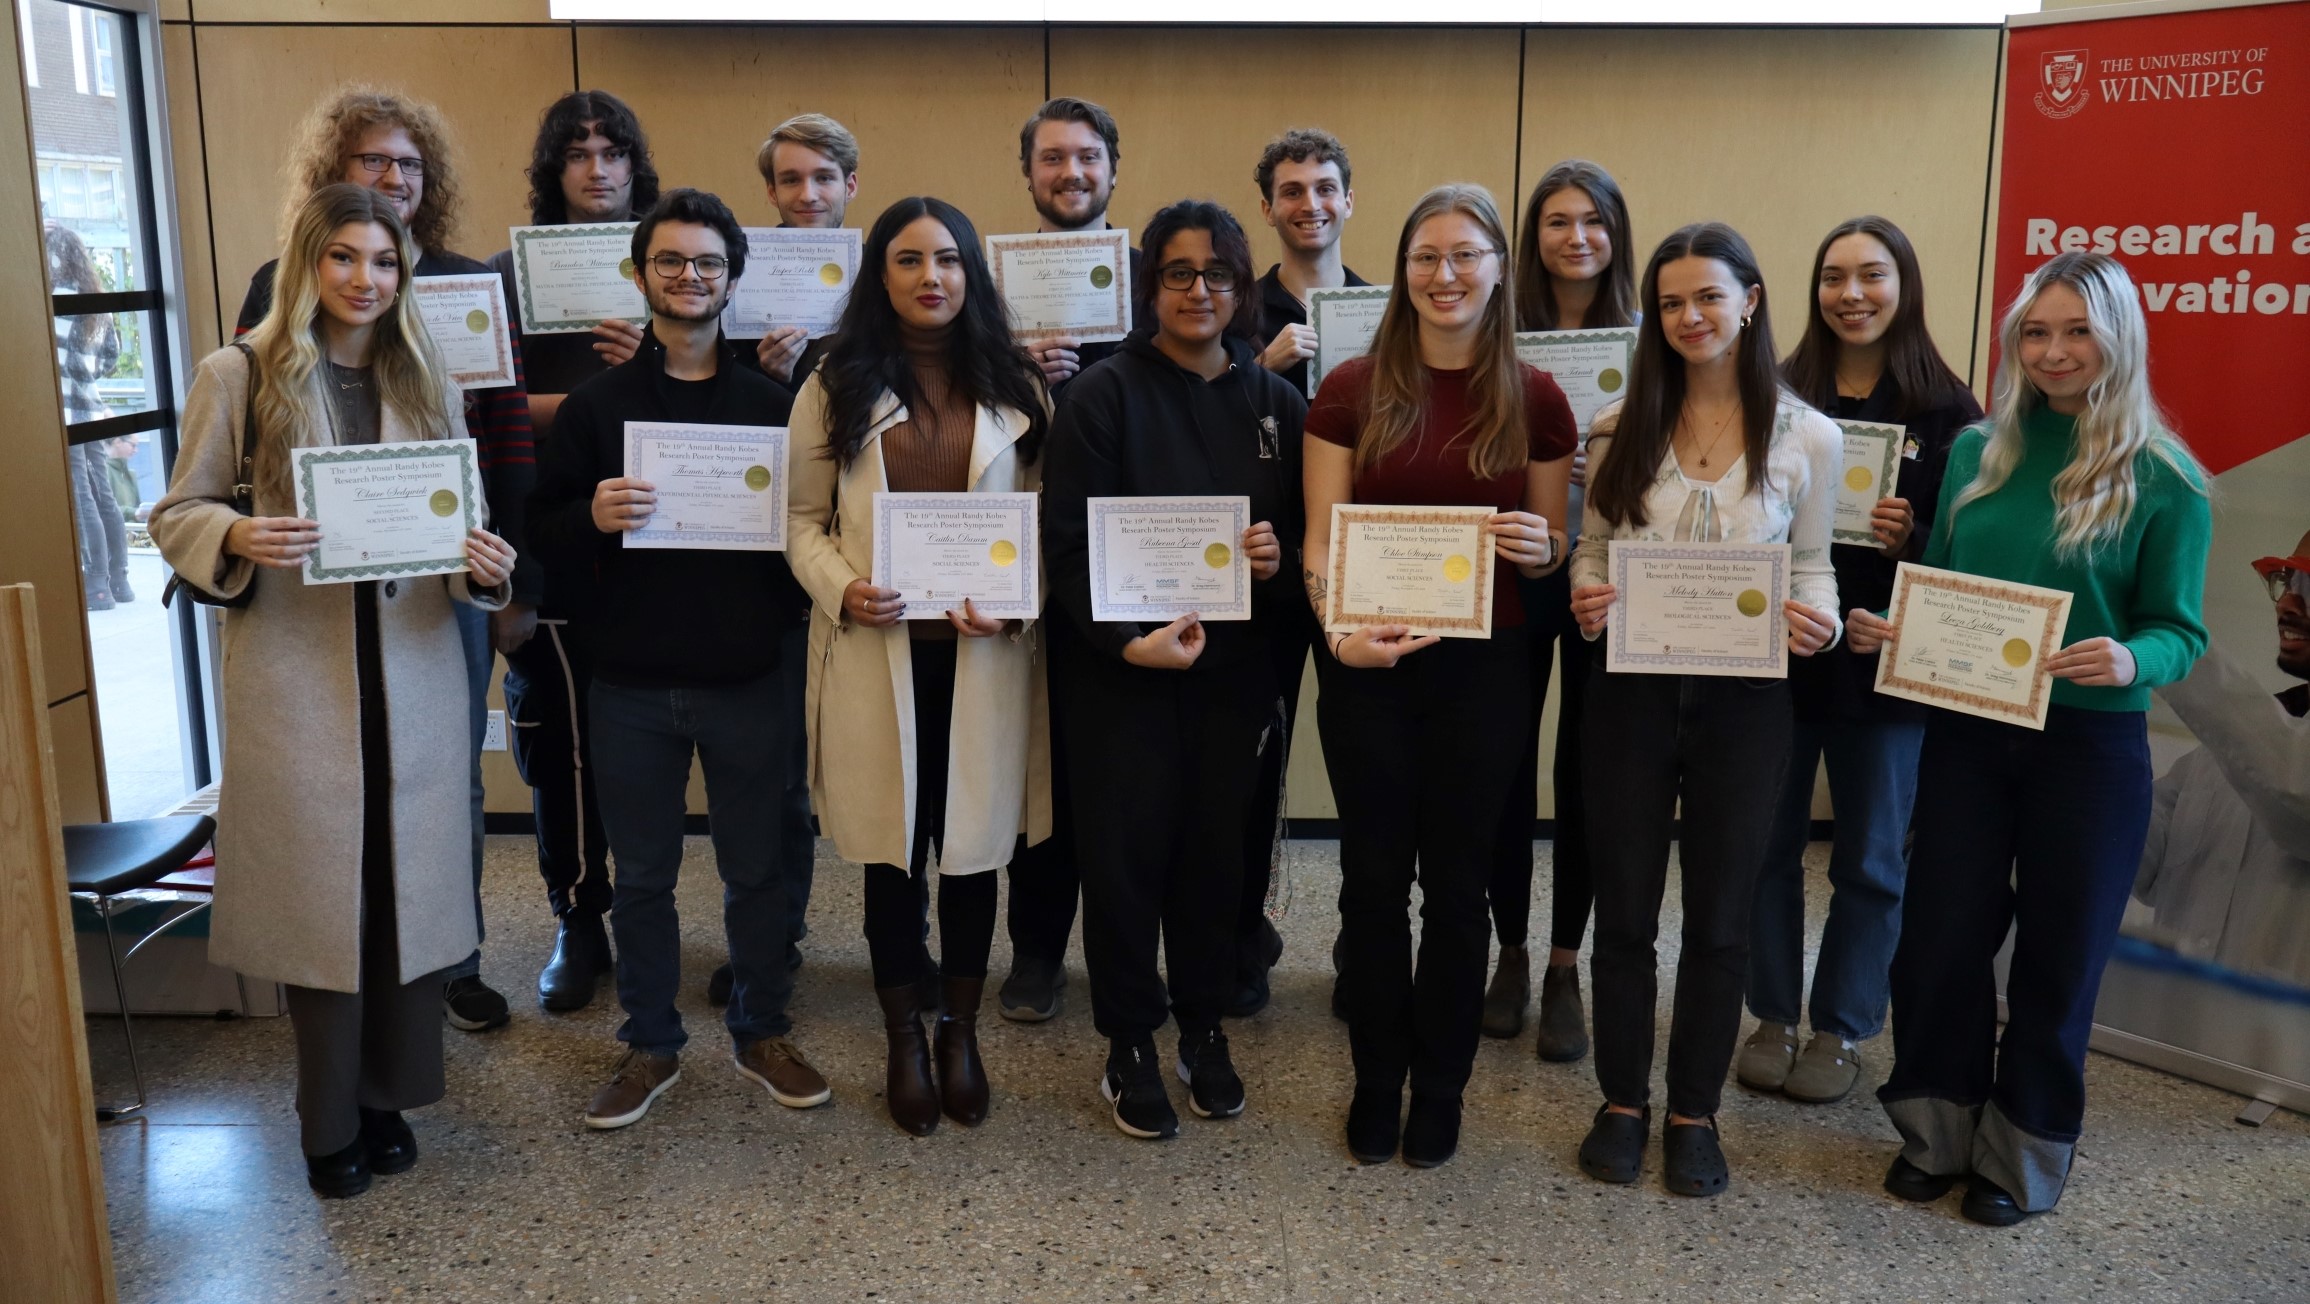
(926, 736)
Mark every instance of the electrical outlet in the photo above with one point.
(494, 739)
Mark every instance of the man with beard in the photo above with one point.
(1069, 151)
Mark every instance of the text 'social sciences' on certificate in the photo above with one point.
(1426, 567)
(387, 510)
(795, 276)
(466, 317)
(718, 487)
(1344, 318)
(1075, 284)
(1698, 609)
(1872, 463)
(1156, 559)
(1971, 644)
(573, 278)
(938, 549)
(1591, 367)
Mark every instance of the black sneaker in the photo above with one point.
(1213, 1089)
(718, 985)
(1134, 1086)
(472, 1006)
(1035, 991)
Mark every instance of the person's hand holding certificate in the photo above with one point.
(716, 487)
(1698, 609)
(1980, 646)
(1157, 559)
(934, 551)
(1426, 569)
(387, 510)
(1071, 284)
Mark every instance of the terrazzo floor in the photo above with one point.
(720, 1194)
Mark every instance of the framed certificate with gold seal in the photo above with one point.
(387, 510)
(720, 488)
(1429, 568)
(1698, 609)
(1157, 559)
(938, 549)
(1867, 474)
(1972, 644)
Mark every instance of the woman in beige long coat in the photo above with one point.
(928, 737)
(343, 851)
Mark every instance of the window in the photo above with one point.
(79, 49)
(24, 40)
(105, 29)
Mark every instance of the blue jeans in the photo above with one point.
(1873, 783)
(480, 659)
(642, 742)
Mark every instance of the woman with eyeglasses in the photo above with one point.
(1421, 734)
(1166, 721)
(2075, 483)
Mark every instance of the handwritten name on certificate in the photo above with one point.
(795, 276)
(1071, 283)
(1426, 567)
(387, 510)
(938, 549)
(466, 317)
(1160, 558)
(719, 487)
(1698, 609)
(1591, 367)
(572, 278)
(1973, 645)
(1344, 318)
(1871, 469)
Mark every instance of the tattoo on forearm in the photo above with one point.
(1318, 589)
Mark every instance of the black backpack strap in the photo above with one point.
(245, 481)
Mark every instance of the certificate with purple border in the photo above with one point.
(1698, 609)
(1160, 558)
(938, 549)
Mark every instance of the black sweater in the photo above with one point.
(660, 618)
(1140, 425)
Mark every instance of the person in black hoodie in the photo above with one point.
(686, 653)
(1165, 723)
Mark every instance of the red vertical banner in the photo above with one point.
(2180, 144)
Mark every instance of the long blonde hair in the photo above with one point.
(2094, 494)
(1398, 396)
(288, 401)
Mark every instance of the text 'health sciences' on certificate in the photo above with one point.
(1698, 609)
(1074, 284)
(795, 276)
(1972, 645)
(465, 315)
(718, 487)
(1591, 367)
(1157, 559)
(1429, 568)
(1870, 470)
(387, 510)
(936, 550)
(573, 278)
(1345, 320)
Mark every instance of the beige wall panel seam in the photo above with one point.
(377, 12)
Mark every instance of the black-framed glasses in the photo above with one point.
(709, 266)
(1179, 276)
(377, 163)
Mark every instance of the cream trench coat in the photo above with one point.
(288, 890)
(860, 704)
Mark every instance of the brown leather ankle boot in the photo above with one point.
(908, 1089)
(962, 1079)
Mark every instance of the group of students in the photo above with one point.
(1144, 760)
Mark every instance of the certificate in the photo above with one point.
(718, 487)
(1345, 318)
(572, 278)
(795, 276)
(1071, 283)
(1591, 367)
(1698, 609)
(466, 317)
(1160, 558)
(1973, 645)
(938, 549)
(1426, 567)
(387, 510)
(1872, 462)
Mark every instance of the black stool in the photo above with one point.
(102, 861)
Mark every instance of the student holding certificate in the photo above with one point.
(928, 737)
(809, 168)
(1420, 734)
(342, 847)
(2077, 485)
(1708, 449)
(1168, 720)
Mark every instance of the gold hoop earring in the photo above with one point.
(1746, 320)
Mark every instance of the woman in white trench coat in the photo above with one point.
(344, 860)
(928, 738)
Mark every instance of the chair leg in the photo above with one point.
(113, 1113)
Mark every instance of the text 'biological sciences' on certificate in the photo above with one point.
(938, 549)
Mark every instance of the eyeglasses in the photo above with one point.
(710, 266)
(2284, 575)
(1464, 262)
(377, 163)
(1179, 276)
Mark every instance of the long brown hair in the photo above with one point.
(1918, 372)
(1615, 301)
(1397, 399)
(1656, 381)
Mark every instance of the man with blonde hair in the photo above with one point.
(809, 167)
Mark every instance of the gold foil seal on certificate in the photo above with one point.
(1217, 556)
(757, 478)
(1609, 379)
(626, 268)
(1003, 552)
(1858, 478)
(443, 502)
(1457, 568)
(477, 321)
(830, 273)
(1751, 602)
(1102, 276)
(2015, 652)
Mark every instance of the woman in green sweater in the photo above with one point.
(2075, 484)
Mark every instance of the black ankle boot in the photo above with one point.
(392, 1147)
(580, 960)
(908, 1089)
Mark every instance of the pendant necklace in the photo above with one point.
(1718, 437)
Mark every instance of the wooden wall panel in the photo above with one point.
(79, 762)
(203, 327)
(372, 11)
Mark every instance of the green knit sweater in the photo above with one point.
(2145, 588)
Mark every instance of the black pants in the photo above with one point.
(1045, 879)
(546, 682)
(1162, 766)
(896, 896)
(1721, 745)
(1263, 823)
(1558, 652)
(1421, 757)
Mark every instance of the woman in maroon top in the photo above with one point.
(1421, 735)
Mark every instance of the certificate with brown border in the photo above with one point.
(1426, 567)
(1975, 645)
(465, 315)
(1065, 283)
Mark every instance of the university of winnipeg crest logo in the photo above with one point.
(2061, 88)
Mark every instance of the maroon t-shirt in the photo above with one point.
(1431, 468)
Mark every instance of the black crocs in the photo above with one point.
(1691, 1162)
(1614, 1150)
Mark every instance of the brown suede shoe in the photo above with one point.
(777, 1063)
(637, 1082)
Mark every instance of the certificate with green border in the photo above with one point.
(1868, 473)
(387, 510)
(1591, 367)
(573, 278)
(1345, 319)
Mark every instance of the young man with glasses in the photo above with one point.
(682, 665)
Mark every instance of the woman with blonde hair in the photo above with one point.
(342, 852)
(2075, 483)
